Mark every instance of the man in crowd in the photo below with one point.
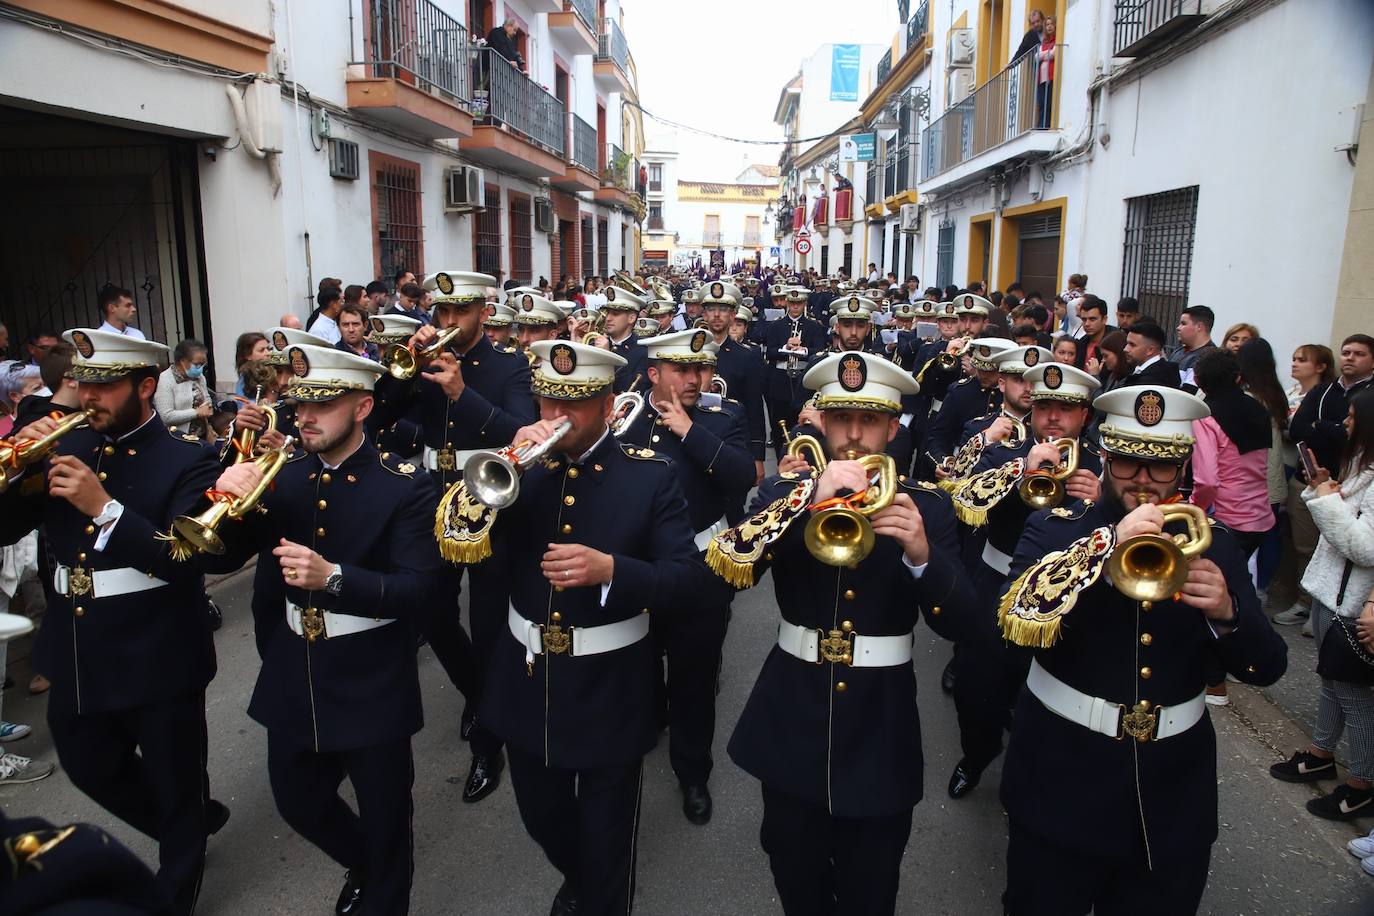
(326, 319)
(116, 306)
(1127, 312)
(38, 343)
(353, 328)
(1145, 349)
(1092, 311)
(1320, 419)
(1194, 341)
(1031, 40)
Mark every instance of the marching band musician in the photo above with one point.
(710, 455)
(936, 380)
(346, 561)
(621, 309)
(499, 326)
(1006, 424)
(469, 397)
(253, 417)
(735, 366)
(1110, 781)
(790, 342)
(663, 311)
(597, 540)
(831, 728)
(987, 675)
(973, 396)
(536, 319)
(125, 641)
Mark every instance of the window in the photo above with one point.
(848, 255)
(396, 215)
(825, 260)
(487, 238)
(751, 231)
(1158, 259)
(603, 248)
(521, 246)
(655, 176)
(588, 250)
(710, 233)
(944, 255)
(624, 247)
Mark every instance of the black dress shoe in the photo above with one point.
(216, 618)
(696, 803)
(351, 897)
(947, 678)
(564, 903)
(484, 776)
(468, 724)
(216, 816)
(963, 780)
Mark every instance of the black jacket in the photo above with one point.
(1319, 418)
(503, 44)
(1161, 374)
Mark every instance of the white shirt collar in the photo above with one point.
(1149, 362)
(588, 453)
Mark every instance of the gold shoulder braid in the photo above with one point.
(462, 526)
(733, 553)
(1032, 610)
(975, 496)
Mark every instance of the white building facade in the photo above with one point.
(220, 158)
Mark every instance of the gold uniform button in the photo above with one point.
(132, 453)
(102, 475)
(1146, 639)
(935, 611)
(557, 617)
(654, 439)
(847, 626)
(567, 529)
(573, 472)
(319, 532)
(849, 594)
(109, 450)
(80, 612)
(558, 588)
(1250, 669)
(90, 529)
(386, 454)
(325, 478)
(569, 500)
(322, 504)
(1146, 672)
(841, 687)
(450, 424)
(81, 558)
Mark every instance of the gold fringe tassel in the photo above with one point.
(465, 552)
(1037, 634)
(739, 575)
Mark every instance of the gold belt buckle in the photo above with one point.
(447, 459)
(312, 624)
(556, 639)
(836, 647)
(1140, 723)
(79, 582)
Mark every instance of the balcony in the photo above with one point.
(581, 173)
(576, 26)
(884, 67)
(1001, 115)
(899, 182)
(711, 239)
(520, 127)
(1141, 25)
(415, 74)
(753, 239)
(617, 179)
(655, 224)
(611, 68)
(917, 24)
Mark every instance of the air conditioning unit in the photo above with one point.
(910, 218)
(960, 86)
(543, 214)
(343, 159)
(464, 189)
(961, 45)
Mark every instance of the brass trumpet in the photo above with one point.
(199, 531)
(948, 360)
(16, 455)
(247, 439)
(794, 447)
(1043, 488)
(493, 478)
(1152, 567)
(626, 408)
(1018, 432)
(718, 386)
(402, 361)
(841, 534)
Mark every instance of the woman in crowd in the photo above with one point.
(250, 345)
(1066, 350)
(1259, 377)
(1340, 579)
(1044, 76)
(1313, 365)
(182, 398)
(17, 381)
(1237, 335)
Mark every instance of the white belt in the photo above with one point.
(430, 458)
(788, 364)
(73, 582)
(996, 559)
(537, 639)
(1114, 720)
(816, 646)
(935, 404)
(312, 623)
(704, 536)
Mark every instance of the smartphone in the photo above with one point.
(1309, 461)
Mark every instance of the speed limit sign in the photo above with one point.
(803, 245)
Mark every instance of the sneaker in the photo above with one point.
(1305, 766)
(1294, 615)
(15, 769)
(1368, 865)
(1307, 628)
(1362, 847)
(11, 731)
(1345, 803)
(1216, 696)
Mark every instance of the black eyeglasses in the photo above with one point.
(1128, 468)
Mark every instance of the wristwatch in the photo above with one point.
(334, 584)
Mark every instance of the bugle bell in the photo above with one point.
(18, 454)
(403, 361)
(841, 534)
(493, 477)
(1043, 488)
(626, 408)
(1152, 567)
(200, 531)
(247, 439)
(947, 359)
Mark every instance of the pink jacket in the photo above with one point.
(1232, 486)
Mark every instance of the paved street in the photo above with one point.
(1272, 857)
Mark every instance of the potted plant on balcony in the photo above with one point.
(617, 171)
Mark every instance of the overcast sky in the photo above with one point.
(720, 64)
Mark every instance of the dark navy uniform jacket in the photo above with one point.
(782, 385)
(636, 360)
(965, 401)
(80, 870)
(374, 517)
(712, 463)
(124, 651)
(935, 381)
(741, 368)
(854, 751)
(495, 402)
(1084, 790)
(593, 710)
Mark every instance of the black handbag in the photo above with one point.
(1341, 657)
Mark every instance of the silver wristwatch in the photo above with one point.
(334, 584)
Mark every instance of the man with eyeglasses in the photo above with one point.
(1110, 781)
(38, 343)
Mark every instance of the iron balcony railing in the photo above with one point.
(916, 25)
(902, 180)
(752, 239)
(890, 174)
(1140, 24)
(416, 42)
(585, 10)
(655, 224)
(884, 66)
(583, 143)
(1002, 109)
(506, 97)
(711, 239)
(872, 182)
(617, 171)
(611, 44)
